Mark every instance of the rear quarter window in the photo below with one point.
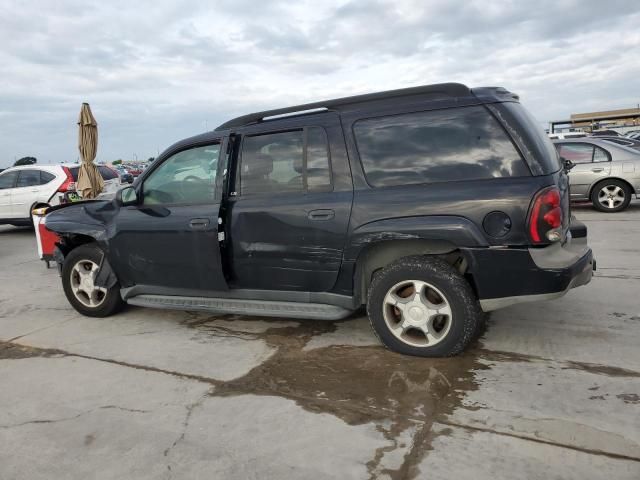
(457, 144)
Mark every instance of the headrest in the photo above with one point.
(257, 165)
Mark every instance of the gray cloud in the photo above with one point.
(157, 71)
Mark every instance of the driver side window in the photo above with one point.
(186, 178)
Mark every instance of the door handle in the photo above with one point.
(322, 214)
(199, 223)
(597, 170)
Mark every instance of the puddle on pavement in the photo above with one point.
(401, 395)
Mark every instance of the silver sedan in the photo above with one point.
(604, 172)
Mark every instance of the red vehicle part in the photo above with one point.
(45, 238)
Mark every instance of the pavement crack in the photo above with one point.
(40, 329)
(124, 409)
(590, 451)
(47, 421)
(185, 426)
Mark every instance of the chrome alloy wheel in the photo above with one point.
(83, 275)
(417, 313)
(611, 196)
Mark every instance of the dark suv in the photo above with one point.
(429, 205)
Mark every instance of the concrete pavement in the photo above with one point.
(551, 390)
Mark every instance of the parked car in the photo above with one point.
(605, 133)
(429, 205)
(624, 141)
(604, 172)
(555, 136)
(125, 176)
(26, 187)
(135, 171)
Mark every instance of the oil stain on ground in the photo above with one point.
(402, 396)
(14, 351)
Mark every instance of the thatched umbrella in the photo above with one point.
(90, 182)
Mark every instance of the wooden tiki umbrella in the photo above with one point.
(90, 182)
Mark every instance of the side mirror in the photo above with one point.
(127, 196)
(567, 164)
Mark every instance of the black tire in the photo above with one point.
(466, 315)
(595, 194)
(110, 303)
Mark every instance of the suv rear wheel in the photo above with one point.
(422, 306)
(78, 280)
(611, 196)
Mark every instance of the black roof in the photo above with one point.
(446, 90)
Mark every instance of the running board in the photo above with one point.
(312, 311)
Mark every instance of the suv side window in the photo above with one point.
(464, 143)
(293, 161)
(186, 178)
(28, 178)
(8, 180)
(576, 152)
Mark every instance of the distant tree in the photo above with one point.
(151, 159)
(25, 161)
(117, 162)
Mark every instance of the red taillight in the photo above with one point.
(69, 185)
(546, 216)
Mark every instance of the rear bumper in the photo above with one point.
(508, 276)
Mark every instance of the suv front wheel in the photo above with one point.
(78, 280)
(422, 306)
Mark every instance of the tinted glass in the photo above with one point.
(8, 180)
(74, 173)
(439, 146)
(576, 152)
(272, 163)
(107, 173)
(600, 154)
(318, 171)
(188, 177)
(530, 134)
(28, 178)
(46, 177)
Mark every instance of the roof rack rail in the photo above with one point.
(445, 89)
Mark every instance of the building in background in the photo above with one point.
(618, 120)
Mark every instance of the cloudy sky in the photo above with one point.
(155, 72)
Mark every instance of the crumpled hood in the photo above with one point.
(75, 217)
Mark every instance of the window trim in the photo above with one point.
(216, 194)
(461, 107)
(305, 191)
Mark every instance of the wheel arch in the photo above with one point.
(376, 256)
(620, 179)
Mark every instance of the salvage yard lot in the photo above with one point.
(551, 390)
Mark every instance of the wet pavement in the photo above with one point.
(550, 390)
